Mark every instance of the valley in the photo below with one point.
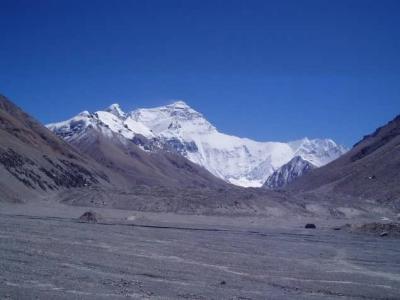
(157, 225)
(48, 254)
(199, 150)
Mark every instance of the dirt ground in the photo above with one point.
(46, 253)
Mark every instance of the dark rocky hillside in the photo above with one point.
(295, 168)
(369, 171)
(34, 162)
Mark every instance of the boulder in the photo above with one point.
(90, 217)
(310, 226)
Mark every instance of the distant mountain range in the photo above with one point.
(102, 160)
(42, 162)
(102, 168)
(180, 129)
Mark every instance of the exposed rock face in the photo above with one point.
(288, 173)
(369, 171)
(34, 161)
(62, 173)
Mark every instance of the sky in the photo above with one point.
(268, 70)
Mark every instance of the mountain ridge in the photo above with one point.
(179, 128)
(104, 169)
(35, 162)
(369, 171)
(283, 176)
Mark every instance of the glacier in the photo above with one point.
(178, 127)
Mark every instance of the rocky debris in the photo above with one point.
(310, 226)
(90, 217)
(55, 174)
(127, 287)
(34, 162)
(381, 229)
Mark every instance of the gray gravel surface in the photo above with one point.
(43, 257)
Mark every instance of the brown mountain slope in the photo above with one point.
(34, 162)
(165, 182)
(41, 162)
(144, 168)
(369, 171)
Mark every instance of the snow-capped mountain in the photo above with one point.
(179, 128)
(288, 172)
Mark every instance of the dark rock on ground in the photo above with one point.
(90, 217)
(310, 226)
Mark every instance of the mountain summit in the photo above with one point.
(178, 128)
(288, 173)
(116, 110)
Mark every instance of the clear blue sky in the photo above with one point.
(268, 70)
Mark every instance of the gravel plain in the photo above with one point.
(51, 255)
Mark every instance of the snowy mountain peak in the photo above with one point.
(84, 113)
(179, 128)
(288, 172)
(170, 120)
(179, 104)
(116, 110)
(317, 151)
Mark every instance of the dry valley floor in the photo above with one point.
(51, 255)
